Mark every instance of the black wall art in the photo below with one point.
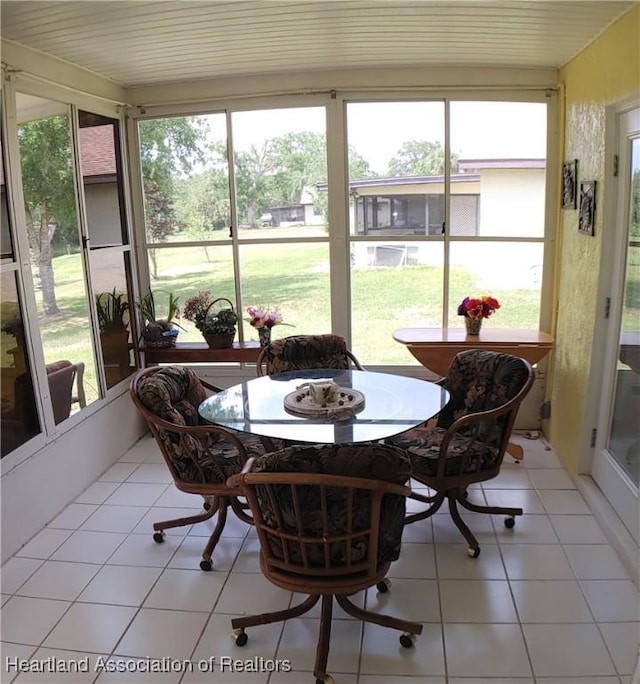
(587, 216)
(570, 185)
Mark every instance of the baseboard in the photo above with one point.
(616, 533)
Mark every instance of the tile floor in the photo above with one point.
(547, 602)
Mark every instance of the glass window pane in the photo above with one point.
(510, 272)
(102, 179)
(280, 156)
(185, 178)
(293, 278)
(6, 246)
(110, 276)
(393, 285)
(52, 228)
(185, 271)
(502, 147)
(19, 420)
(396, 167)
(623, 438)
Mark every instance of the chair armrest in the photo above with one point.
(80, 396)
(236, 480)
(354, 360)
(209, 386)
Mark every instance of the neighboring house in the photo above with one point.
(99, 175)
(493, 197)
(303, 214)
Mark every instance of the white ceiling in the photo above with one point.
(144, 42)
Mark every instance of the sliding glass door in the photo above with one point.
(616, 465)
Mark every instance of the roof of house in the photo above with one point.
(405, 180)
(97, 151)
(465, 164)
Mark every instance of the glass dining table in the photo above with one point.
(389, 404)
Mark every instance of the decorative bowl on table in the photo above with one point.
(324, 400)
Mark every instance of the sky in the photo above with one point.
(479, 130)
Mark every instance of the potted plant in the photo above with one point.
(113, 322)
(216, 321)
(159, 331)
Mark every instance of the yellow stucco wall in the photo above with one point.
(605, 73)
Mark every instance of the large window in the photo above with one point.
(65, 261)
(19, 420)
(424, 236)
(269, 245)
(443, 199)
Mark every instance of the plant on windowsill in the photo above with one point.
(216, 321)
(159, 332)
(113, 321)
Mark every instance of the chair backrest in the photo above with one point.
(168, 397)
(298, 352)
(328, 511)
(482, 381)
(61, 376)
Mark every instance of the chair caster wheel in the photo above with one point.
(509, 522)
(158, 537)
(240, 637)
(384, 586)
(205, 565)
(327, 679)
(474, 553)
(407, 640)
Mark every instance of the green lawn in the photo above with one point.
(295, 278)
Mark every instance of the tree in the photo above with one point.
(202, 203)
(47, 181)
(169, 149)
(252, 171)
(635, 205)
(298, 161)
(420, 158)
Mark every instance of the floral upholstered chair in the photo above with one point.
(329, 519)
(200, 457)
(468, 442)
(299, 352)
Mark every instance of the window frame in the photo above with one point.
(337, 183)
(72, 101)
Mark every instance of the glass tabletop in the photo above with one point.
(392, 404)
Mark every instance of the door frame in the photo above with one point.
(619, 491)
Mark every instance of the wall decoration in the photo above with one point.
(570, 185)
(587, 217)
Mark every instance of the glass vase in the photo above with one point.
(264, 335)
(473, 325)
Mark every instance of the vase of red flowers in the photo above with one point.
(474, 310)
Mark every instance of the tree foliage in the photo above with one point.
(168, 148)
(49, 197)
(275, 173)
(420, 158)
(635, 205)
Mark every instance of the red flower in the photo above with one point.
(478, 307)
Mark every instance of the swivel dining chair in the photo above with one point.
(200, 457)
(298, 352)
(329, 520)
(468, 442)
